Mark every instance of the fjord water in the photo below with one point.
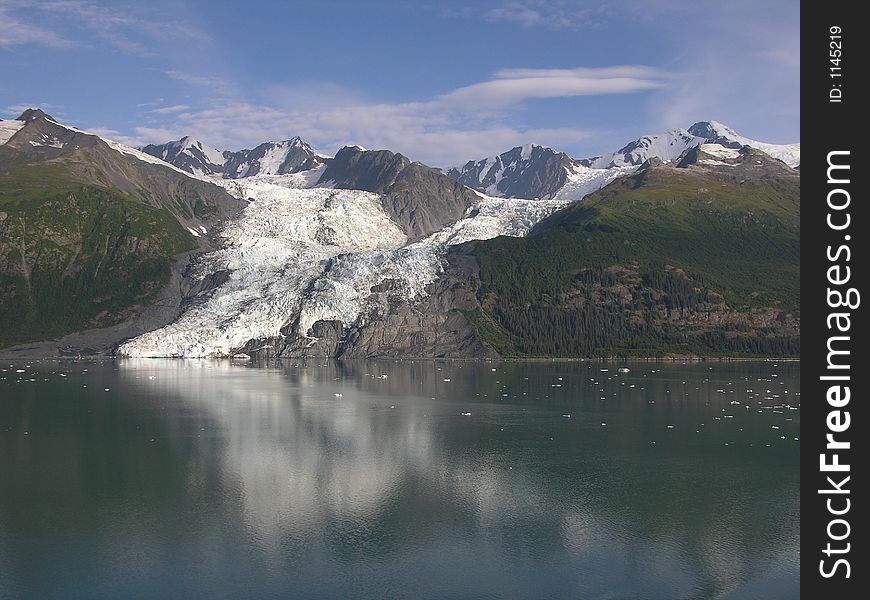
(195, 479)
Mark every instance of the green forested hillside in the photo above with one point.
(666, 261)
(75, 256)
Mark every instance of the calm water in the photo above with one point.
(172, 479)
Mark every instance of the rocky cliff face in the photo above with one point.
(268, 158)
(419, 199)
(434, 327)
(523, 172)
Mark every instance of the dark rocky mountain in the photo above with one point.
(269, 158)
(189, 155)
(88, 234)
(522, 172)
(353, 168)
(421, 200)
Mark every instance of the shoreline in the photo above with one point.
(253, 360)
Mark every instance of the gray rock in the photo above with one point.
(540, 174)
(421, 200)
(189, 155)
(434, 327)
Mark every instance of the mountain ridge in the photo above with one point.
(372, 254)
(269, 158)
(89, 233)
(534, 171)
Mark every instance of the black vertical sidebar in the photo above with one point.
(834, 261)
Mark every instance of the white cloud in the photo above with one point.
(151, 103)
(168, 110)
(516, 13)
(452, 128)
(511, 86)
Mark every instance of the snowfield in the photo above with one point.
(582, 181)
(790, 154)
(669, 146)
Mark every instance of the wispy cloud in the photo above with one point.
(214, 84)
(511, 86)
(168, 110)
(396, 127)
(15, 32)
(84, 22)
(743, 69)
(553, 14)
(735, 61)
(151, 103)
(463, 123)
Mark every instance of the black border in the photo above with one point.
(828, 126)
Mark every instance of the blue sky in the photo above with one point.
(442, 82)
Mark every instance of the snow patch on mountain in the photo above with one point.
(48, 141)
(666, 146)
(8, 129)
(790, 154)
(275, 156)
(492, 217)
(582, 181)
(216, 157)
(671, 145)
(293, 181)
(719, 151)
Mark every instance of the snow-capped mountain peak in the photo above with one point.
(528, 171)
(535, 172)
(188, 154)
(665, 146)
(719, 133)
(269, 158)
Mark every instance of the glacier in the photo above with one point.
(300, 254)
